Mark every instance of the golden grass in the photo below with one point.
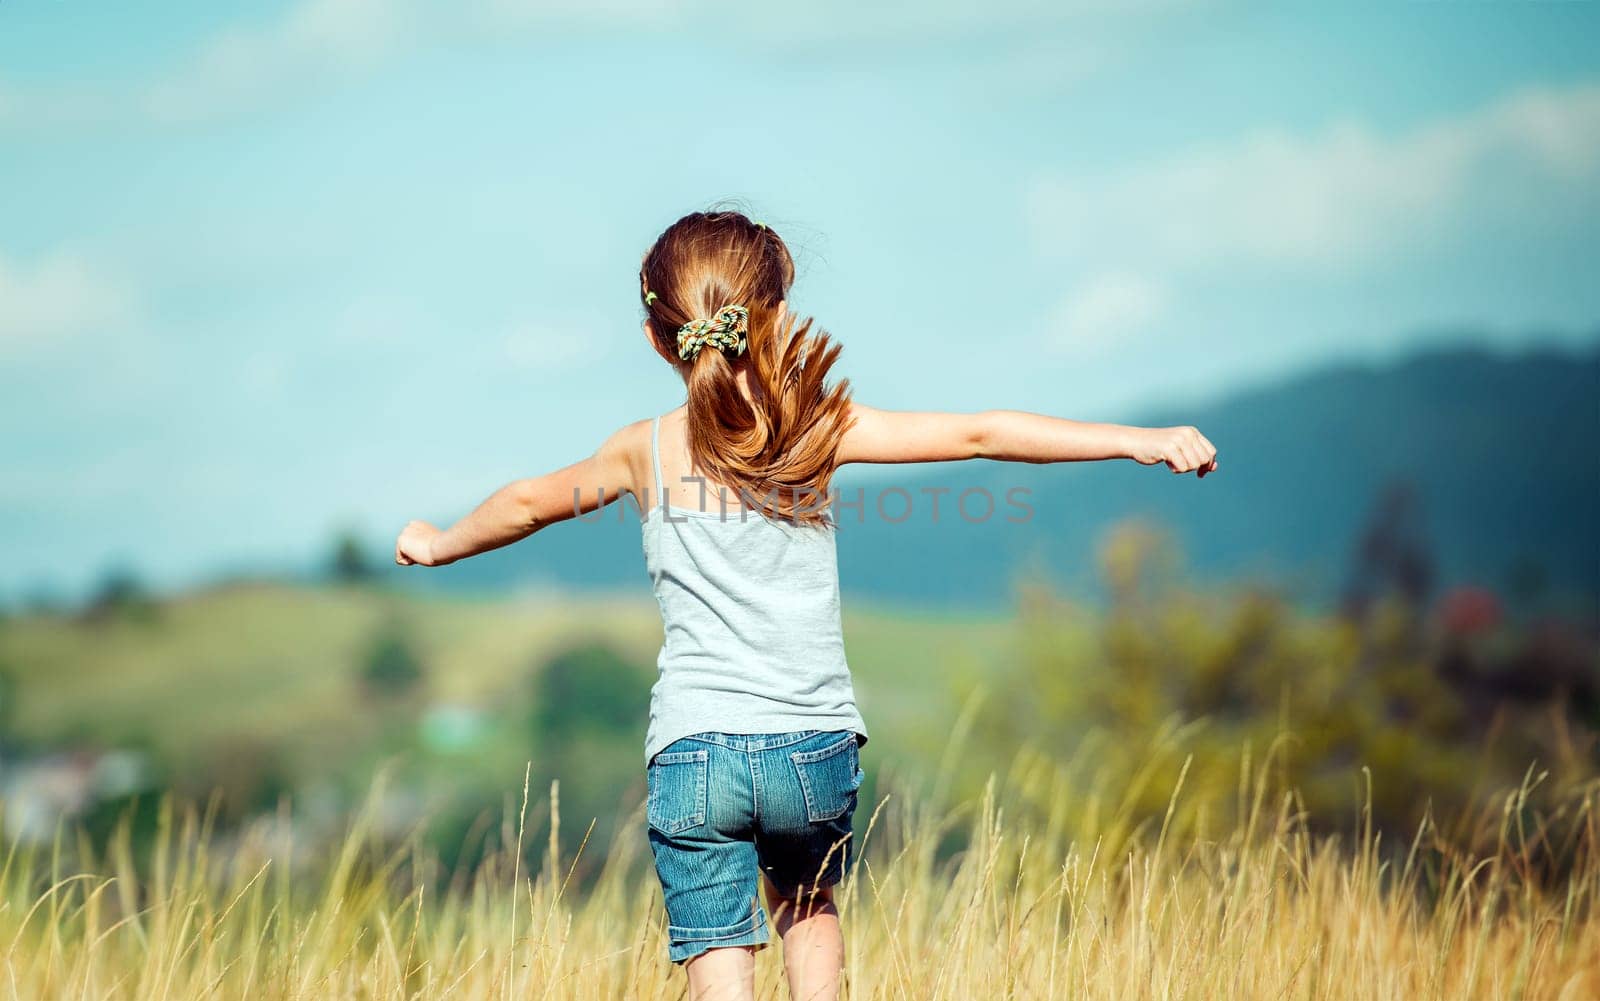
(1031, 903)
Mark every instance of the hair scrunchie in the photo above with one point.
(727, 331)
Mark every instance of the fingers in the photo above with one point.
(1191, 452)
(1180, 459)
(1209, 465)
(1182, 450)
(1186, 451)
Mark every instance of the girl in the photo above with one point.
(752, 750)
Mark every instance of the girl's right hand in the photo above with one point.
(415, 545)
(1183, 449)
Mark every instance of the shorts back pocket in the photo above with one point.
(829, 778)
(677, 783)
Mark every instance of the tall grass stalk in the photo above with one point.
(993, 897)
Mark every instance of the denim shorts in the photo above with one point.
(726, 808)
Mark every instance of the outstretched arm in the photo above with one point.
(1013, 436)
(519, 509)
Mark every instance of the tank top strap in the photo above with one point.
(655, 462)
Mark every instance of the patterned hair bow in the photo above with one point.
(727, 331)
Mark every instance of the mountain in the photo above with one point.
(1498, 452)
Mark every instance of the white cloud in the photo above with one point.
(55, 107)
(315, 42)
(312, 42)
(525, 12)
(1106, 311)
(55, 301)
(1346, 195)
(314, 39)
(840, 21)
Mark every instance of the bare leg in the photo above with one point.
(725, 974)
(813, 944)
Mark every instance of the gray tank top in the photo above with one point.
(750, 613)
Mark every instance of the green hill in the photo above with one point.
(271, 677)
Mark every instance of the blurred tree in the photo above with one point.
(590, 707)
(243, 775)
(1527, 582)
(120, 595)
(1469, 611)
(588, 688)
(1139, 562)
(8, 698)
(350, 564)
(1392, 558)
(1168, 671)
(391, 667)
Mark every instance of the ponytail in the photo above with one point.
(708, 276)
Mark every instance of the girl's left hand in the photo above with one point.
(1183, 449)
(415, 544)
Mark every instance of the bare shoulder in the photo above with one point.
(859, 411)
(626, 454)
(628, 438)
(860, 418)
(863, 427)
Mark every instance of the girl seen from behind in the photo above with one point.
(752, 752)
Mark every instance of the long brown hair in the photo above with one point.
(778, 448)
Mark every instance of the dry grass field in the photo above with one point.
(989, 898)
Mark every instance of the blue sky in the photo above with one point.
(267, 270)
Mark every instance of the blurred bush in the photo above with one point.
(120, 595)
(349, 562)
(391, 667)
(589, 708)
(1441, 707)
